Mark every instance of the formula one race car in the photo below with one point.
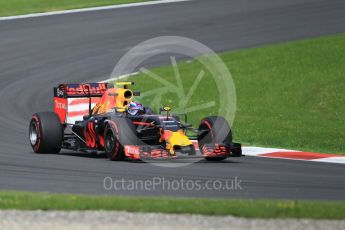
(98, 117)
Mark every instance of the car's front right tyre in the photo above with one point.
(118, 133)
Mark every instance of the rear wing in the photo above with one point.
(80, 90)
(72, 101)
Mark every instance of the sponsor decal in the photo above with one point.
(59, 92)
(85, 89)
(59, 105)
(132, 150)
(60, 108)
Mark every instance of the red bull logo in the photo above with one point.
(86, 89)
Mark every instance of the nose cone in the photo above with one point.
(178, 138)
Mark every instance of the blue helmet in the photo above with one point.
(134, 108)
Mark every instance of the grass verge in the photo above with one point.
(289, 95)
(243, 208)
(17, 7)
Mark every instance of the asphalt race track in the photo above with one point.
(38, 53)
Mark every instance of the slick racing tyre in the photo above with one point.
(214, 130)
(119, 132)
(45, 133)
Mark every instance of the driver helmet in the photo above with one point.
(134, 108)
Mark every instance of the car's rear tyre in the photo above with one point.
(118, 133)
(45, 133)
(212, 130)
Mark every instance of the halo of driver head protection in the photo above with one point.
(134, 108)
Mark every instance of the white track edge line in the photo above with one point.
(89, 9)
(119, 77)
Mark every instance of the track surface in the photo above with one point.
(37, 54)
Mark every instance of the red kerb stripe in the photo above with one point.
(298, 155)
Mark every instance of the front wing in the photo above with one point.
(140, 152)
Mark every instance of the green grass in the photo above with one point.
(17, 7)
(289, 95)
(243, 208)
